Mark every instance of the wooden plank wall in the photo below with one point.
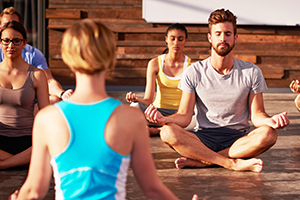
(275, 49)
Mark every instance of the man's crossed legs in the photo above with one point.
(235, 157)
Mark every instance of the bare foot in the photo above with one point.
(253, 164)
(187, 162)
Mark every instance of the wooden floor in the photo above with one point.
(280, 178)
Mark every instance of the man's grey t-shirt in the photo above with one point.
(222, 100)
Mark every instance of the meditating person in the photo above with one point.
(90, 139)
(227, 93)
(36, 58)
(163, 74)
(21, 85)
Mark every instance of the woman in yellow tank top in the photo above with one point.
(163, 74)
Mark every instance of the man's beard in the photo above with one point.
(223, 51)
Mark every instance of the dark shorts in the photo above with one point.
(15, 145)
(218, 139)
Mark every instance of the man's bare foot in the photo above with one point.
(187, 162)
(253, 164)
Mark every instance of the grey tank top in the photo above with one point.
(16, 108)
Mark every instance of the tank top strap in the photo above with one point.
(30, 73)
(161, 60)
(187, 61)
(31, 69)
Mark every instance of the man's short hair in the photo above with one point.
(220, 16)
(17, 26)
(11, 11)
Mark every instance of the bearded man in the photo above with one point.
(227, 93)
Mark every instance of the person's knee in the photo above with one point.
(169, 133)
(269, 136)
(165, 133)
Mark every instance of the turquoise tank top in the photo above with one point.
(88, 168)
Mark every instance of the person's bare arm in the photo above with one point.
(41, 86)
(259, 117)
(152, 71)
(182, 117)
(55, 87)
(40, 172)
(295, 87)
(142, 162)
(297, 102)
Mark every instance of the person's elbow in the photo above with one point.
(151, 192)
(297, 102)
(259, 119)
(32, 194)
(156, 191)
(185, 119)
(33, 191)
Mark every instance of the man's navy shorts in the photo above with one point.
(218, 139)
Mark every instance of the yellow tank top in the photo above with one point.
(167, 93)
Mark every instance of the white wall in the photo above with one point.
(251, 12)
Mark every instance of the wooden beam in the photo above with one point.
(137, 56)
(249, 58)
(63, 14)
(268, 39)
(67, 3)
(157, 30)
(57, 23)
(267, 53)
(159, 43)
(273, 73)
(125, 81)
(129, 73)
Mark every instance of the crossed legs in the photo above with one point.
(196, 154)
(8, 160)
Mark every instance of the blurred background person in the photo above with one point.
(20, 85)
(36, 58)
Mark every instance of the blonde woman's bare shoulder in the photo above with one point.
(51, 123)
(127, 110)
(129, 120)
(49, 116)
(130, 115)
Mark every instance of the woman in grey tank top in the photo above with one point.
(21, 85)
